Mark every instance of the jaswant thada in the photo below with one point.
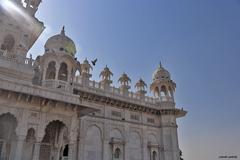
(49, 112)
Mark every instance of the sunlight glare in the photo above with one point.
(14, 10)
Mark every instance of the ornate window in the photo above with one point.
(117, 153)
(51, 70)
(63, 73)
(30, 135)
(8, 43)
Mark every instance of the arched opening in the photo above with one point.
(117, 153)
(29, 145)
(8, 43)
(93, 145)
(135, 148)
(77, 73)
(51, 70)
(63, 72)
(156, 92)
(65, 151)
(164, 91)
(55, 138)
(154, 155)
(8, 137)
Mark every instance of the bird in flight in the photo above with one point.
(94, 62)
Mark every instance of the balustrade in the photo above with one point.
(57, 84)
(131, 96)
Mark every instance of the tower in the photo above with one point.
(58, 66)
(163, 87)
(18, 32)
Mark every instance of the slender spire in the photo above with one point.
(160, 65)
(63, 31)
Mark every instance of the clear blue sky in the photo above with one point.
(198, 41)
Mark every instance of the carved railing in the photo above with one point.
(113, 91)
(57, 84)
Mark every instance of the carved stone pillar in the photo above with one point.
(19, 148)
(106, 151)
(36, 151)
(57, 71)
(44, 74)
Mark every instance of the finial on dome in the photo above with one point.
(160, 64)
(63, 31)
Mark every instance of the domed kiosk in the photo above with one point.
(163, 86)
(58, 64)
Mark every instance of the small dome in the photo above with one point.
(124, 79)
(106, 73)
(161, 74)
(140, 84)
(60, 43)
(86, 66)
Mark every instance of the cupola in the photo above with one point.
(85, 69)
(162, 86)
(124, 81)
(106, 77)
(141, 87)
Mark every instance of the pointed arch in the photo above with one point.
(54, 140)
(117, 153)
(116, 133)
(93, 143)
(63, 72)
(29, 145)
(156, 92)
(135, 146)
(8, 136)
(163, 92)
(51, 70)
(154, 155)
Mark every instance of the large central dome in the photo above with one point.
(60, 43)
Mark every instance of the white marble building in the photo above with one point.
(49, 112)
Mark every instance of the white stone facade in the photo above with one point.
(48, 112)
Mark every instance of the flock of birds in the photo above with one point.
(93, 61)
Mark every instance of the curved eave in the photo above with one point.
(177, 112)
(180, 113)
